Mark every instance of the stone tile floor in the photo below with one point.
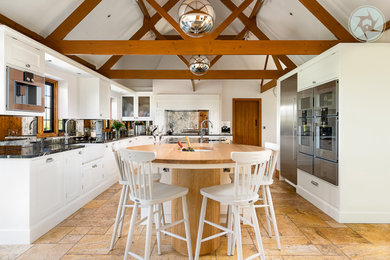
(306, 233)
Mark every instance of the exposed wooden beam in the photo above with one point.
(256, 9)
(161, 37)
(194, 47)
(277, 62)
(186, 74)
(33, 35)
(239, 36)
(328, 20)
(256, 31)
(138, 35)
(193, 85)
(167, 17)
(268, 85)
(220, 37)
(265, 67)
(229, 19)
(387, 26)
(73, 20)
(143, 8)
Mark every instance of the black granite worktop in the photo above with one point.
(34, 150)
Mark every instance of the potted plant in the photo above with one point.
(117, 125)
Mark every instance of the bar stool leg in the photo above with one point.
(272, 210)
(187, 226)
(229, 226)
(163, 214)
(117, 217)
(267, 216)
(133, 221)
(237, 231)
(257, 231)
(200, 229)
(149, 228)
(122, 218)
(157, 220)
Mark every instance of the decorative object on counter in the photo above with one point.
(199, 65)
(139, 128)
(196, 17)
(117, 125)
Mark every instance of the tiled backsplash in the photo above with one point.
(177, 120)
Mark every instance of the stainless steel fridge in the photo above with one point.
(288, 128)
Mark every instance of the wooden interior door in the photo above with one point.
(247, 121)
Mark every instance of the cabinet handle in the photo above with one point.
(106, 146)
(314, 183)
(80, 152)
(49, 160)
(130, 141)
(314, 82)
(94, 166)
(28, 65)
(101, 114)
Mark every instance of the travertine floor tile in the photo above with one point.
(94, 204)
(10, 252)
(46, 252)
(366, 251)
(54, 235)
(307, 220)
(342, 236)
(315, 236)
(92, 245)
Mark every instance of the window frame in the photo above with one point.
(41, 132)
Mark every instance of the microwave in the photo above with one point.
(25, 91)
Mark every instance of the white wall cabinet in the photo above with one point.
(94, 98)
(72, 175)
(137, 107)
(47, 186)
(320, 71)
(24, 56)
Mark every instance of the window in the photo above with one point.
(48, 118)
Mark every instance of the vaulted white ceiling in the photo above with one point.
(120, 19)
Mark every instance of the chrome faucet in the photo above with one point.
(204, 130)
(66, 130)
(33, 124)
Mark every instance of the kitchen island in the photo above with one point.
(196, 170)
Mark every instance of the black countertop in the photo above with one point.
(190, 134)
(34, 150)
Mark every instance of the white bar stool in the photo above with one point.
(242, 193)
(144, 192)
(123, 201)
(267, 202)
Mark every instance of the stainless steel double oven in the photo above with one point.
(318, 131)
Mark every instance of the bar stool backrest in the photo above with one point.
(137, 166)
(121, 172)
(249, 171)
(272, 163)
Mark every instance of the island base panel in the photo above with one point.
(194, 180)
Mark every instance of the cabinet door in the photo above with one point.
(72, 175)
(128, 105)
(92, 175)
(24, 56)
(144, 107)
(47, 187)
(104, 100)
(324, 70)
(109, 162)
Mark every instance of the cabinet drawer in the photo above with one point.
(24, 56)
(320, 72)
(319, 188)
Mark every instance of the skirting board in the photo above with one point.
(30, 235)
(319, 203)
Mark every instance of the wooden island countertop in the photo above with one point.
(213, 153)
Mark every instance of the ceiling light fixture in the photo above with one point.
(196, 17)
(199, 65)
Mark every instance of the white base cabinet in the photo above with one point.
(72, 175)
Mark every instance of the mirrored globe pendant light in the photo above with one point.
(199, 65)
(196, 17)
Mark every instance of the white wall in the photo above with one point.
(228, 89)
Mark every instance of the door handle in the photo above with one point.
(255, 122)
(48, 160)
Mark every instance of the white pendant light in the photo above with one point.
(196, 17)
(199, 65)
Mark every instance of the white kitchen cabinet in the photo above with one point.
(72, 174)
(109, 161)
(24, 56)
(137, 107)
(92, 174)
(94, 98)
(321, 71)
(47, 186)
